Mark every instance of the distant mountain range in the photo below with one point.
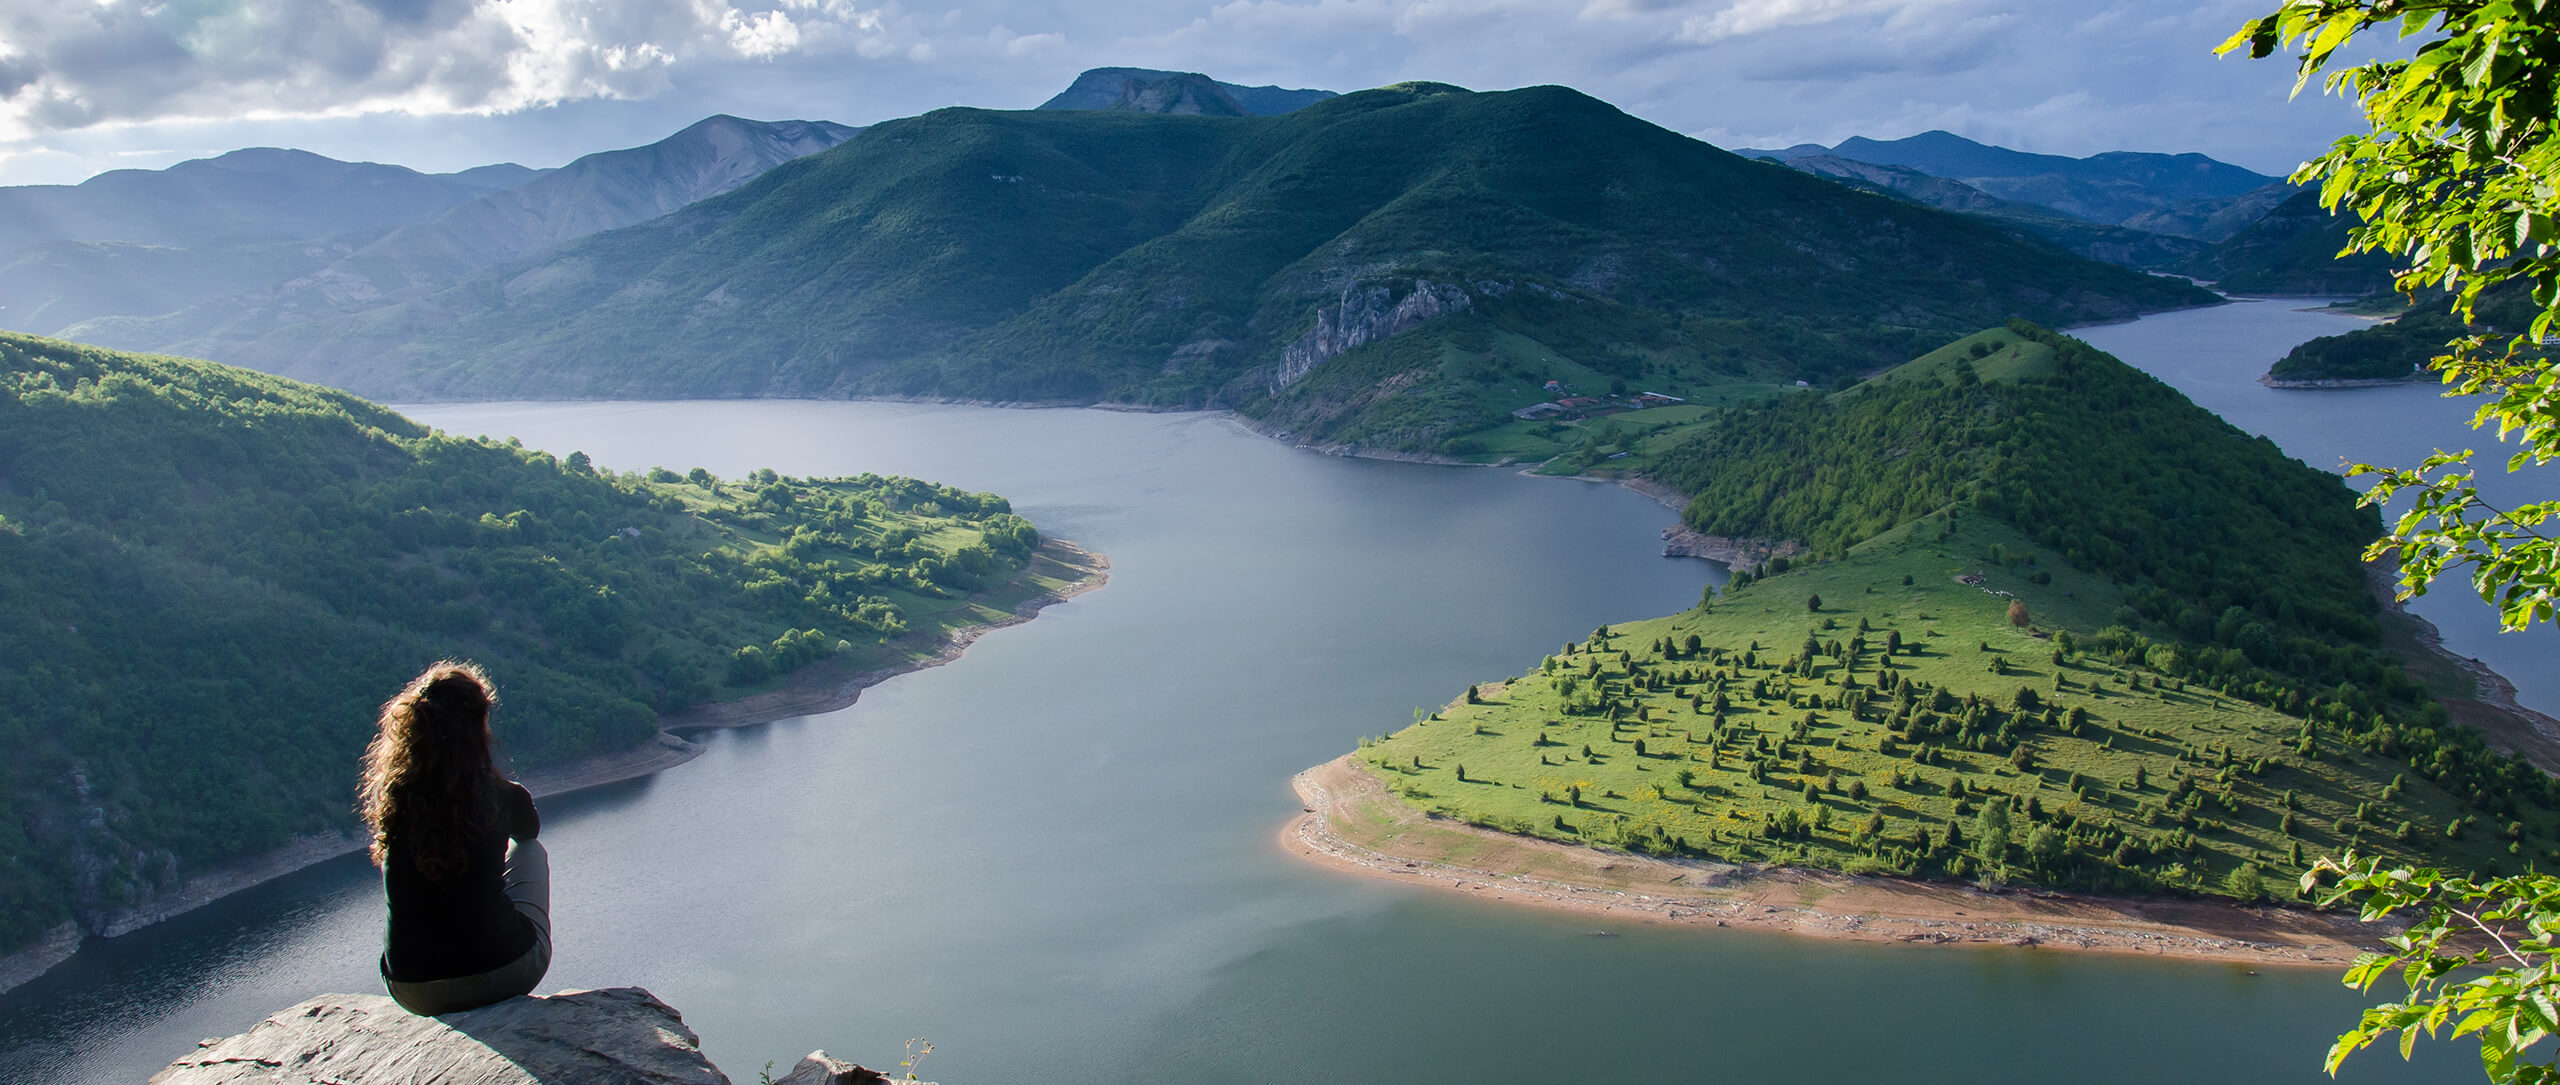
(1148, 237)
(2180, 195)
(1146, 90)
(598, 192)
(151, 241)
(2188, 214)
(1298, 267)
(2098, 241)
(254, 195)
(325, 257)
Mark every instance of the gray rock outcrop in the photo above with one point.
(620, 1035)
(1365, 312)
(820, 1068)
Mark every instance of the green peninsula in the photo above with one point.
(209, 578)
(2399, 350)
(2047, 623)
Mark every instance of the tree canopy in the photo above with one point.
(2460, 178)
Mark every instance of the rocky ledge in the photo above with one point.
(620, 1036)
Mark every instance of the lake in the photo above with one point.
(1056, 858)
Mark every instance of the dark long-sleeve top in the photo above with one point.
(464, 924)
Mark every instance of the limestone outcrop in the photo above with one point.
(615, 1036)
(1364, 313)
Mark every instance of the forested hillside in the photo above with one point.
(2086, 458)
(1067, 256)
(2400, 349)
(2293, 251)
(210, 577)
(2056, 625)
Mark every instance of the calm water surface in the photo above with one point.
(1057, 858)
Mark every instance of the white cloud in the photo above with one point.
(2061, 76)
(65, 66)
(1020, 45)
(1747, 17)
(762, 34)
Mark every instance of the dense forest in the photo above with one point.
(2220, 538)
(210, 577)
(2051, 623)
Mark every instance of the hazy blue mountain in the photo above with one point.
(154, 241)
(1374, 267)
(258, 194)
(52, 285)
(2176, 194)
(2181, 176)
(2114, 244)
(1146, 90)
(597, 192)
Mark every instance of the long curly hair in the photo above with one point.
(430, 781)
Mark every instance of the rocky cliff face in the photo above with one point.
(1366, 312)
(616, 1036)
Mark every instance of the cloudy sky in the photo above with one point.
(88, 85)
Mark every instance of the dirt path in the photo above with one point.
(1352, 824)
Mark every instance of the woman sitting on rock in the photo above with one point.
(469, 886)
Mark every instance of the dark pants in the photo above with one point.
(529, 887)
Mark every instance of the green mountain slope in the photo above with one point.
(1080, 257)
(2058, 626)
(2293, 250)
(210, 577)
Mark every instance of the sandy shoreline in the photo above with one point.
(1352, 824)
(814, 689)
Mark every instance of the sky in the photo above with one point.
(440, 85)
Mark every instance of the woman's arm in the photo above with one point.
(522, 820)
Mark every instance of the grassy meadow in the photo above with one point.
(2115, 778)
(2160, 670)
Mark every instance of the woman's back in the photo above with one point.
(459, 924)
(468, 886)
